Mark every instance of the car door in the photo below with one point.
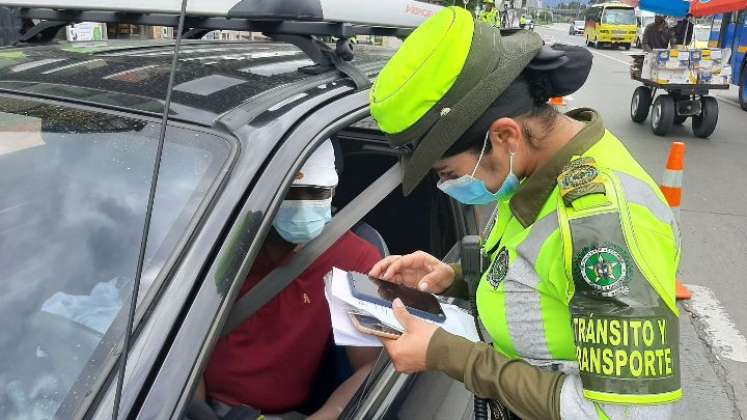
(385, 388)
(170, 387)
(155, 358)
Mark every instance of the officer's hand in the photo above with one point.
(417, 270)
(409, 352)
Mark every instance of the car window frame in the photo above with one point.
(346, 110)
(70, 408)
(320, 116)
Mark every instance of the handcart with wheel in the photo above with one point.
(674, 107)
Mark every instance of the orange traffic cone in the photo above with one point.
(671, 186)
(558, 101)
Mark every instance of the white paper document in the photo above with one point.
(341, 302)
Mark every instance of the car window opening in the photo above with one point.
(360, 157)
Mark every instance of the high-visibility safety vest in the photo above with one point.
(523, 20)
(490, 17)
(589, 286)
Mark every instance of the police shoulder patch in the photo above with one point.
(580, 178)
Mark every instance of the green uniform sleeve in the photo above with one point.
(528, 391)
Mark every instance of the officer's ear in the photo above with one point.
(506, 134)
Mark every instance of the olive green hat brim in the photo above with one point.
(445, 124)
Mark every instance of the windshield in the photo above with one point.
(578, 23)
(75, 186)
(619, 17)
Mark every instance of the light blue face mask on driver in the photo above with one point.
(470, 190)
(300, 221)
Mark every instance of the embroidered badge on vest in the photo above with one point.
(499, 268)
(604, 269)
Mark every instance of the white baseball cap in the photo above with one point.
(319, 169)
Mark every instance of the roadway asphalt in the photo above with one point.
(713, 222)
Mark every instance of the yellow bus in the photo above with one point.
(611, 24)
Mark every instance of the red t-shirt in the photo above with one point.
(270, 361)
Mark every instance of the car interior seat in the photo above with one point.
(372, 236)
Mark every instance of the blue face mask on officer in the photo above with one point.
(470, 190)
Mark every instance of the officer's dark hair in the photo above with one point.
(526, 99)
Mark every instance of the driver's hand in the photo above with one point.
(417, 270)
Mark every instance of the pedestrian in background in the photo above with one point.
(489, 13)
(657, 34)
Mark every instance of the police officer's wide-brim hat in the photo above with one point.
(442, 79)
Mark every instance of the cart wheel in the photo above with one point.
(640, 104)
(679, 119)
(705, 123)
(662, 116)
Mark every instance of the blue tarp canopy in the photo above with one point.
(676, 8)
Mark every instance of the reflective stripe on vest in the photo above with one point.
(523, 311)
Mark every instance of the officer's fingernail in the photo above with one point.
(423, 286)
(398, 303)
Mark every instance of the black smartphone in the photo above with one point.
(382, 292)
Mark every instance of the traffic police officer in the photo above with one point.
(578, 294)
(489, 14)
(523, 20)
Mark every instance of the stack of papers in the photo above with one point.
(342, 302)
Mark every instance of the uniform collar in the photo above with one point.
(535, 190)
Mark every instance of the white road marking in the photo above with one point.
(627, 63)
(721, 332)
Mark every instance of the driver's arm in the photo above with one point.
(200, 392)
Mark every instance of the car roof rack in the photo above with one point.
(294, 21)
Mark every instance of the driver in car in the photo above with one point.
(271, 361)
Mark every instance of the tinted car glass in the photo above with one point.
(75, 186)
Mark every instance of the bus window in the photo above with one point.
(619, 16)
